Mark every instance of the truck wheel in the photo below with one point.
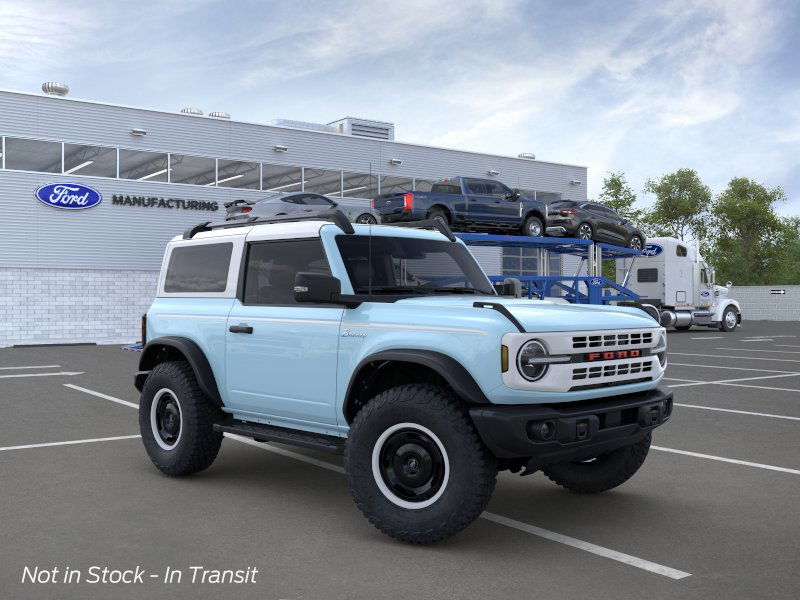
(601, 473)
(533, 227)
(729, 320)
(415, 466)
(176, 420)
(438, 214)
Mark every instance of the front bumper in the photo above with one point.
(580, 430)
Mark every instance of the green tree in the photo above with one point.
(750, 244)
(618, 195)
(681, 206)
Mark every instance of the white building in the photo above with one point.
(87, 275)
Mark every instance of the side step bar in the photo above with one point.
(269, 433)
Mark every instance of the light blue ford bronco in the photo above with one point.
(389, 345)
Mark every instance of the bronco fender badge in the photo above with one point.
(348, 333)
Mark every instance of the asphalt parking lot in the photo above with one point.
(714, 512)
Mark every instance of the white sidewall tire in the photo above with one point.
(154, 426)
(376, 467)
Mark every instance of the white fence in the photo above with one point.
(768, 302)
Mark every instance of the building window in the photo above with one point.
(96, 161)
(359, 185)
(238, 174)
(396, 185)
(322, 181)
(144, 166)
(33, 155)
(423, 185)
(279, 178)
(194, 170)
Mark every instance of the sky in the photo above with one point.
(639, 87)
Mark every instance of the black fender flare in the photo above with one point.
(535, 212)
(193, 354)
(452, 371)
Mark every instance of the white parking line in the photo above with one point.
(727, 460)
(513, 523)
(70, 442)
(747, 358)
(740, 412)
(788, 345)
(32, 367)
(730, 381)
(759, 340)
(587, 546)
(40, 374)
(748, 350)
(672, 364)
(709, 337)
(99, 395)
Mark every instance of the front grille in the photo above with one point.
(616, 370)
(611, 340)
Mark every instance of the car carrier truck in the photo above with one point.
(677, 287)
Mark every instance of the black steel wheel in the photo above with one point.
(415, 465)
(584, 231)
(176, 420)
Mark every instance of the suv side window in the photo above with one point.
(200, 268)
(313, 199)
(272, 266)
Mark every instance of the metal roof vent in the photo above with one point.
(377, 130)
(51, 88)
(527, 155)
(219, 115)
(192, 111)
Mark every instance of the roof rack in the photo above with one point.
(429, 224)
(335, 216)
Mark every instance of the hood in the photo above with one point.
(541, 315)
(721, 291)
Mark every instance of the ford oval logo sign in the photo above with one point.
(595, 281)
(652, 250)
(68, 196)
(705, 294)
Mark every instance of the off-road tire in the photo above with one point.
(472, 469)
(723, 325)
(602, 474)
(531, 223)
(198, 444)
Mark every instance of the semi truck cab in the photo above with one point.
(673, 280)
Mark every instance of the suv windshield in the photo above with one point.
(396, 265)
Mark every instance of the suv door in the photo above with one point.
(281, 356)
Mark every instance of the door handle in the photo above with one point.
(240, 329)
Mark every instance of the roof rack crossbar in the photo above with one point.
(441, 227)
(335, 216)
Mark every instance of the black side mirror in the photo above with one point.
(318, 288)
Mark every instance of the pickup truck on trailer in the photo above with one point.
(389, 345)
(467, 203)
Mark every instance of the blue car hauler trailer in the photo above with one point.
(591, 288)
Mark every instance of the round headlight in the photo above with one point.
(528, 360)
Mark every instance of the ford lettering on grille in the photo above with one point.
(613, 355)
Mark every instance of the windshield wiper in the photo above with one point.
(392, 290)
(458, 290)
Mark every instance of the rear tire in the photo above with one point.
(602, 473)
(584, 232)
(176, 420)
(533, 227)
(729, 321)
(415, 465)
(439, 214)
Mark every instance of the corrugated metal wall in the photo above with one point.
(123, 237)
